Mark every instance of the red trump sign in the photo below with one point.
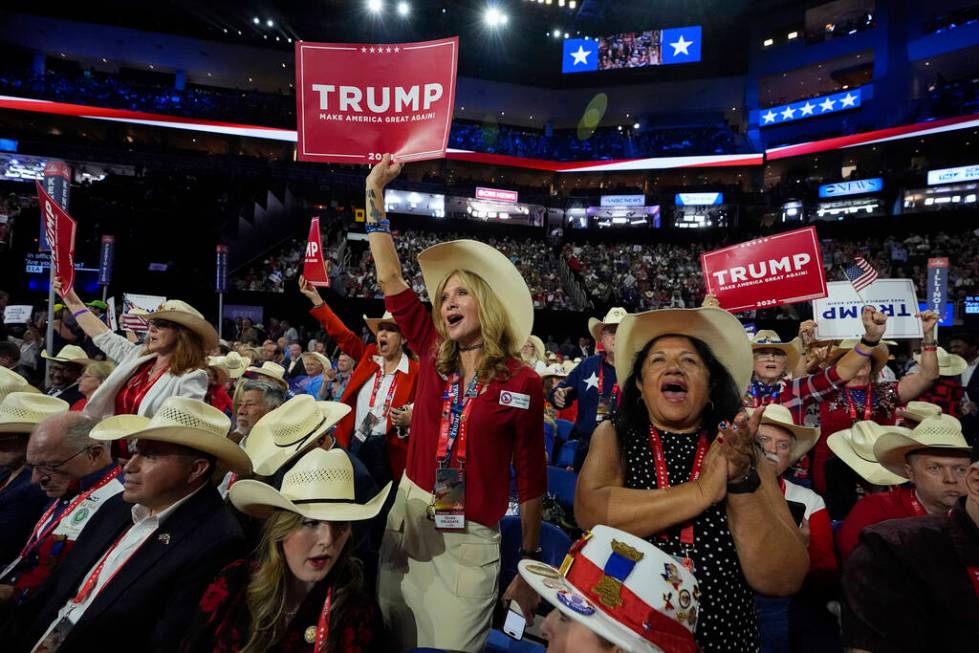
(60, 231)
(781, 269)
(355, 102)
(314, 265)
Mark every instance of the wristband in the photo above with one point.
(746, 485)
(857, 349)
(929, 348)
(533, 555)
(80, 311)
(869, 343)
(382, 226)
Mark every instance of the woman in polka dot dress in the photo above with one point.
(679, 467)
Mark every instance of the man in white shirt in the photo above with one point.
(136, 574)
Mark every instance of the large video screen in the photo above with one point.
(632, 50)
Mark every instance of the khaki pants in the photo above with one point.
(435, 588)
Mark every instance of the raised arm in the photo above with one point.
(912, 385)
(91, 325)
(386, 262)
(349, 342)
(600, 497)
(874, 325)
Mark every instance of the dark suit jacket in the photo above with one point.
(299, 369)
(148, 603)
(21, 505)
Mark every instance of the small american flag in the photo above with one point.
(860, 273)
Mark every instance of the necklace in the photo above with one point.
(478, 345)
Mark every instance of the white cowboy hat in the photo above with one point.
(942, 432)
(554, 369)
(768, 339)
(374, 322)
(119, 427)
(10, 381)
(182, 313)
(715, 327)
(500, 274)
(803, 437)
(320, 486)
(284, 431)
(232, 364)
(612, 318)
(70, 354)
(21, 411)
(320, 358)
(190, 423)
(624, 589)
(855, 447)
(917, 411)
(948, 364)
(269, 370)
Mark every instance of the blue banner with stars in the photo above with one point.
(681, 45)
(632, 50)
(811, 108)
(580, 56)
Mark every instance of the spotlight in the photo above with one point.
(635, 125)
(256, 20)
(567, 35)
(768, 43)
(375, 6)
(556, 34)
(572, 4)
(403, 8)
(792, 35)
(494, 17)
(269, 23)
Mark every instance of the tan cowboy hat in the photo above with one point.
(942, 432)
(803, 437)
(323, 360)
(374, 322)
(119, 427)
(70, 354)
(20, 412)
(190, 423)
(855, 447)
(612, 318)
(500, 274)
(320, 486)
(284, 431)
(271, 371)
(10, 381)
(539, 352)
(554, 369)
(880, 354)
(568, 365)
(231, 364)
(182, 313)
(715, 327)
(948, 364)
(768, 339)
(917, 411)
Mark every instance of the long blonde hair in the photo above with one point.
(499, 342)
(266, 594)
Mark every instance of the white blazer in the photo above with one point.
(127, 358)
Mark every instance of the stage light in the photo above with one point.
(269, 23)
(494, 17)
(256, 20)
(635, 125)
(792, 35)
(403, 8)
(556, 33)
(572, 4)
(768, 43)
(375, 6)
(567, 35)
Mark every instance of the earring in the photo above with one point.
(711, 404)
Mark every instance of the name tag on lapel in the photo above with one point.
(515, 400)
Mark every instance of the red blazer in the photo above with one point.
(353, 346)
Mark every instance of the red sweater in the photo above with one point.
(873, 509)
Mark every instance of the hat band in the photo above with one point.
(303, 436)
(634, 613)
(331, 501)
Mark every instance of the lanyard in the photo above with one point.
(916, 507)
(138, 385)
(455, 418)
(868, 409)
(662, 474)
(38, 535)
(377, 386)
(323, 629)
(613, 404)
(93, 578)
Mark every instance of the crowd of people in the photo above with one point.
(734, 493)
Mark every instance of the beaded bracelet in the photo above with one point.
(79, 312)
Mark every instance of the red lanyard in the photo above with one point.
(916, 507)
(601, 384)
(36, 537)
(868, 409)
(662, 474)
(454, 423)
(377, 386)
(93, 578)
(323, 629)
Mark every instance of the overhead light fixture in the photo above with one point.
(556, 33)
(494, 17)
(792, 35)
(375, 6)
(403, 8)
(572, 4)
(635, 125)
(768, 43)
(269, 23)
(256, 20)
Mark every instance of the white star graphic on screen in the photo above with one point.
(769, 117)
(592, 381)
(788, 113)
(396, 49)
(848, 100)
(807, 108)
(389, 50)
(372, 50)
(681, 46)
(363, 50)
(827, 105)
(581, 56)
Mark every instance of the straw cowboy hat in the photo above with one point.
(715, 327)
(948, 364)
(20, 412)
(768, 339)
(10, 381)
(374, 322)
(439, 261)
(232, 365)
(119, 427)
(554, 369)
(70, 354)
(284, 431)
(269, 370)
(623, 589)
(182, 313)
(917, 411)
(190, 423)
(942, 432)
(320, 486)
(568, 365)
(803, 437)
(612, 318)
(855, 447)
(320, 358)
(539, 352)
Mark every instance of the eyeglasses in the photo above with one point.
(781, 445)
(45, 469)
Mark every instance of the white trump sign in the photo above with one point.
(838, 315)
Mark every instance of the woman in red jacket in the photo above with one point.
(381, 387)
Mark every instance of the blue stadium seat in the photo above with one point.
(499, 642)
(564, 429)
(549, 440)
(566, 454)
(561, 483)
(554, 544)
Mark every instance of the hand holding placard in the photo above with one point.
(314, 267)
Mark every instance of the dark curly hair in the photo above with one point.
(632, 418)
